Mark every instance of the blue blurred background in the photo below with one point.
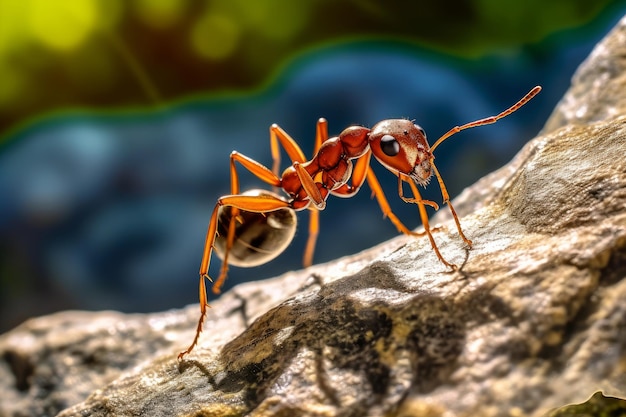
(117, 119)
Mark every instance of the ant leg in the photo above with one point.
(278, 135)
(203, 306)
(310, 187)
(255, 168)
(413, 200)
(314, 226)
(430, 203)
(204, 274)
(321, 136)
(321, 133)
(446, 200)
(259, 204)
(359, 173)
(424, 217)
(378, 192)
(261, 172)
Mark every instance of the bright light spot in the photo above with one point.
(278, 19)
(12, 31)
(62, 25)
(215, 36)
(160, 14)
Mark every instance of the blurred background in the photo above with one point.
(117, 119)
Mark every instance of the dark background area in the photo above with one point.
(117, 119)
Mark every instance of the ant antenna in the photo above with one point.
(488, 120)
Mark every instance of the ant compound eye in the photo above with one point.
(389, 145)
(422, 131)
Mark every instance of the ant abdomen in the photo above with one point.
(259, 237)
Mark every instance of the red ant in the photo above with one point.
(252, 228)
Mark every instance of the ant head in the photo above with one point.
(401, 146)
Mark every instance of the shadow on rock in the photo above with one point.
(361, 336)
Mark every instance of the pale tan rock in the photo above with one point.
(534, 319)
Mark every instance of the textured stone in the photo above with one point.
(533, 320)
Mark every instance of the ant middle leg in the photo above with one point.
(314, 225)
(279, 136)
(413, 200)
(321, 136)
(378, 192)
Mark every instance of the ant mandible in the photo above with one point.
(252, 228)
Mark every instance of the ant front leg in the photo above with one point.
(413, 200)
(421, 205)
(446, 200)
(386, 209)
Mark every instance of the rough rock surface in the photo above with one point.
(534, 319)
